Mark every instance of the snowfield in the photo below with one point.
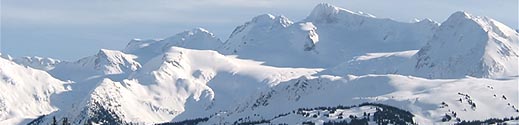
(26, 92)
(429, 100)
(335, 66)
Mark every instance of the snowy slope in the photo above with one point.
(117, 65)
(263, 36)
(108, 102)
(260, 27)
(428, 100)
(348, 34)
(276, 70)
(41, 63)
(373, 63)
(99, 78)
(105, 62)
(197, 38)
(205, 81)
(179, 84)
(470, 45)
(464, 45)
(328, 36)
(25, 93)
(36, 62)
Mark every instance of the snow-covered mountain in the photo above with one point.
(36, 62)
(105, 62)
(328, 36)
(178, 84)
(41, 63)
(464, 45)
(429, 100)
(485, 48)
(335, 66)
(26, 92)
(197, 38)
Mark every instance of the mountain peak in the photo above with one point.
(325, 8)
(462, 20)
(103, 63)
(270, 20)
(485, 48)
(325, 12)
(194, 32)
(200, 29)
(104, 52)
(110, 54)
(262, 26)
(460, 14)
(461, 17)
(196, 38)
(36, 62)
(263, 18)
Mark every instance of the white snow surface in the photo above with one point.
(178, 84)
(464, 45)
(327, 37)
(422, 97)
(26, 93)
(105, 62)
(483, 46)
(271, 65)
(36, 62)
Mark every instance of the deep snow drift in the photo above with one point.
(334, 66)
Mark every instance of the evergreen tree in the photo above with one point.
(65, 121)
(54, 121)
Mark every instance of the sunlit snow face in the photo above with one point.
(91, 25)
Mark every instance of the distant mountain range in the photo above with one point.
(333, 67)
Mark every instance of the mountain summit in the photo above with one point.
(327, 32)
(327, 13)
(334, 67)
(470, 45)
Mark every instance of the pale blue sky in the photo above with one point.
(71, 29)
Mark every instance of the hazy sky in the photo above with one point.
(71, 29)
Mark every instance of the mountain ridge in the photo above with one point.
(270, 68)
